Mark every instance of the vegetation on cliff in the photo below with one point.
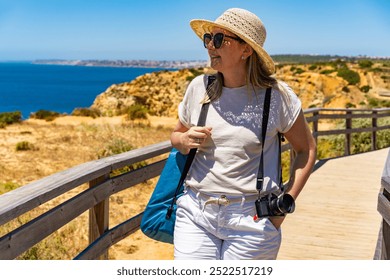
(332, 84)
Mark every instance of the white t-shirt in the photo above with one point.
(228, 163)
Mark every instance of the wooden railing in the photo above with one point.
(98, 175)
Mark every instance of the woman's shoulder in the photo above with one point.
(283, 88)
(198, 80)
(196, 89)
(286, 94)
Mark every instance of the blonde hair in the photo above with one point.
(256, 77)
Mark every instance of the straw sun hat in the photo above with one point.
(245, 25)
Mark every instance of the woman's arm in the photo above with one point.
(302, 142)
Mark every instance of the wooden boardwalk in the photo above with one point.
(336, 216)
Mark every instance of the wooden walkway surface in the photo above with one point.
(336, 216)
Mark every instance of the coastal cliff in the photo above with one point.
(160, 92)
(317, 86)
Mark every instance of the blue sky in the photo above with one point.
(159, 30)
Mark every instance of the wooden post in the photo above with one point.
(348, 125)
(386, 240)
(374, 126)
(98, 216)
(315, 126)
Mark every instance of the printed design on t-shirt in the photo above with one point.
(247, 115)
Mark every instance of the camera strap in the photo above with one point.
(284, 203)
(260, 174)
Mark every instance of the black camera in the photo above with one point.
(275, 205)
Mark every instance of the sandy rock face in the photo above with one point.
(161, 92)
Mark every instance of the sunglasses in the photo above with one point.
(217, 39)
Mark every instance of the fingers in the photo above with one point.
(198, 141)
(199, 132)
(198, 135)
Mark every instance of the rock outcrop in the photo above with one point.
(160, 92)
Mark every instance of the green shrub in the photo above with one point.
(350, 76)
(44, 115)
(338, 63)
(378, 103)
(137, 112)
(365, 63)
(333, 146)
(196, 72)
(189, 78)
(327, 71)
(330, 146)
(365, 88)
(378, 70)
(7, 186)
(361, 142)
(24, 146)
(118, 146)
(86, 112)
(7, 118)
(299, 71)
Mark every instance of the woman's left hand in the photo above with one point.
(277, 221)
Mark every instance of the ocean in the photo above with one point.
(28, 87)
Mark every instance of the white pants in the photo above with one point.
(219, 232)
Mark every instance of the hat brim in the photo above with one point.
(201, 26)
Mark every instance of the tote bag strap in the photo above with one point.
(192, 153)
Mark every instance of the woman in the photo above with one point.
(216, 217)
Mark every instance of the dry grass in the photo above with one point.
(64, 143)
(61, 144)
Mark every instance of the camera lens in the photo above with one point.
(282, 204)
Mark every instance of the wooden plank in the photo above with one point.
(384, 207)
(386, 241)
(138, 155)
(135, 177)
(352, 130)
(331, 110)
(386, 183)
(110, 238)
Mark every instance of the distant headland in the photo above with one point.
(182, 64)
(169, 64)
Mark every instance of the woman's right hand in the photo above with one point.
(195, 136)
(185, 139)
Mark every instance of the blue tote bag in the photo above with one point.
(158, 220)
